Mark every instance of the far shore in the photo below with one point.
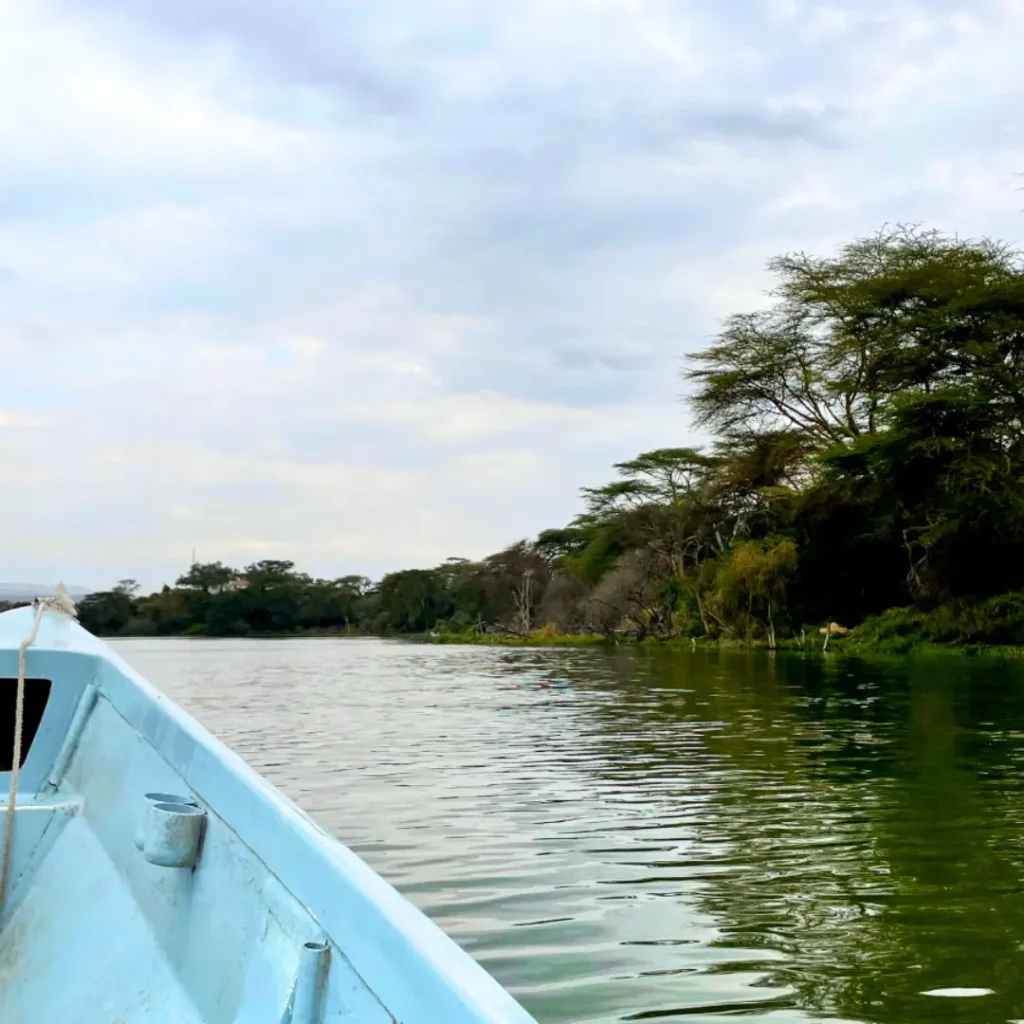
(851, 645)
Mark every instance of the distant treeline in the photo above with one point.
(868, 466)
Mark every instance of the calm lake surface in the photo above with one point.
(654, 835)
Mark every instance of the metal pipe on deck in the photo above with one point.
(310, 982)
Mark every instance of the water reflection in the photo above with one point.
(649, 835)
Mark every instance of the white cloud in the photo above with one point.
(88, 103)
(375, 287)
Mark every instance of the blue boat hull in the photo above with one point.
(155, 877)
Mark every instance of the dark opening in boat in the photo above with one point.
(37, 693)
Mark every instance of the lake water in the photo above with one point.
(655, 835)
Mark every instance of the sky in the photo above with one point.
(368, 285)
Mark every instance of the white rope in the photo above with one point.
(60, 602)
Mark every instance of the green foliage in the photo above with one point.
(411, 601)
(270, 598)
(998, 620)
(108, 612)
(211, 576)
(750, 586)
(216, 600)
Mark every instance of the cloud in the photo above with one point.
(371, 286)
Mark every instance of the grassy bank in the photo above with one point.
(536, 638)
(865, 641)
(993, 627)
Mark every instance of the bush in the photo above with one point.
(998, 620)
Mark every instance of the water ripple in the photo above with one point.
(630, 835)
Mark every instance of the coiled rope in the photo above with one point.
(63, 603)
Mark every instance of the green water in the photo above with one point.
(651, 835)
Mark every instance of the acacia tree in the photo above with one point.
(657, 497)
(664, 504)
(905, 310)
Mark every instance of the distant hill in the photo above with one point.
(27, 591)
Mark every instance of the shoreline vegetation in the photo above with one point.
(866, 470)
